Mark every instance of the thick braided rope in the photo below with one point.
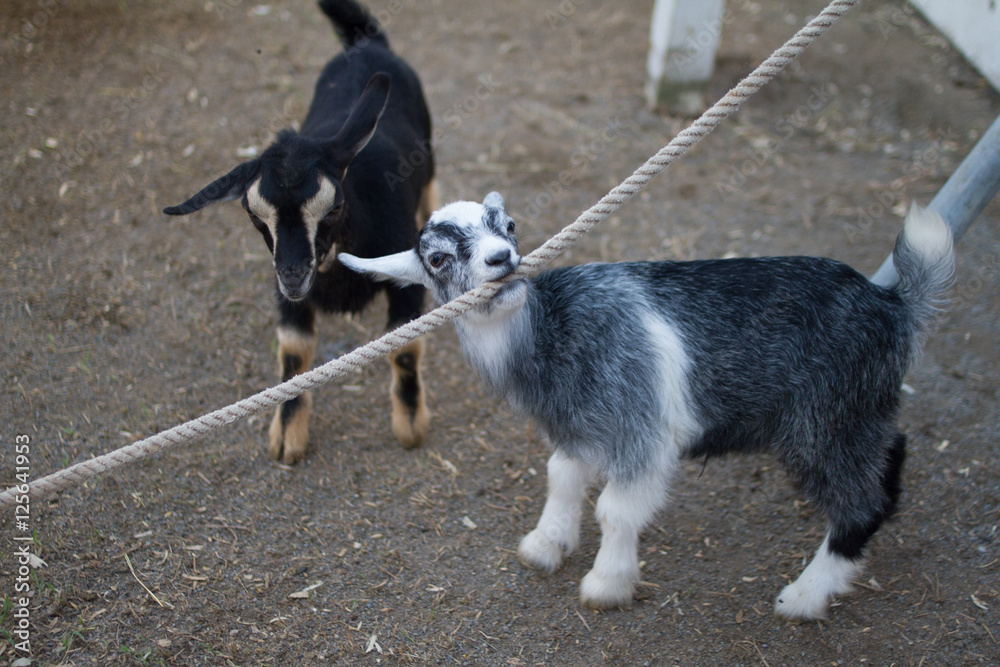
(529, 265)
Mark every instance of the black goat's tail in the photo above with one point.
(925, 263)
(354, 24)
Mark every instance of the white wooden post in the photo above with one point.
(973, 26)
(683, 38)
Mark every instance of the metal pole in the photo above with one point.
(964, 195)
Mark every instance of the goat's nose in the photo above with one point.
(296, 273)
(498, 258)
(296, 280)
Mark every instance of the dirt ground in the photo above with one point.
(117, 322)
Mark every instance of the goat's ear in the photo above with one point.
(403, 268)
(494, 200)
(229, 187)
(360, 124)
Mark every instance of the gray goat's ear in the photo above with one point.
(403, 268)
(361, 122)
(227, 188)
(494, 200)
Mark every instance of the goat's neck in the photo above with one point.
(493, 342)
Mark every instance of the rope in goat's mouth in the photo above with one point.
(529, 265)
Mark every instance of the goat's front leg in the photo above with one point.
(289, 433)
(410, 416)
(558, 531)
(623, 510)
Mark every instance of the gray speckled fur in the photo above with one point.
(628, 366)
(799, 356)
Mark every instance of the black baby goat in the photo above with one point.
(628, 368)
(358, 176)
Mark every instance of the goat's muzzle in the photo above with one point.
(504, 262)
(294, 282)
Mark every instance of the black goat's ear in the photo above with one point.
(227, 188)
(361, 122)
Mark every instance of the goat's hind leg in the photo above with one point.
(289, 434)
(840, 559)
(829, 573)
(410, 416)
(558, 531)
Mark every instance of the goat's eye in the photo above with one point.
(510, 227)
(436, 259)
(333, 213)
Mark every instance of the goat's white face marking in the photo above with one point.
(316, 208)
(462, 213)
(462, 246)
(466, 244)
(313, 210)
(292, 235)
(263, 209)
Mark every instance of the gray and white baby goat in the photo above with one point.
(630, 367)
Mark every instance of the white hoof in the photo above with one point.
(539, 552)
(801, 603)
(599, 592)
(807, 598)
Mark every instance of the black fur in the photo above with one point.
(289, 409)
(408, 380)
(291, 365)
(353, 24)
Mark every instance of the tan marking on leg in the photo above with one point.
(276, 437)
(293, 341)
(428, 203)
(288, 441)
(410, 427)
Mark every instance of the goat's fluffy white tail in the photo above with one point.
(925, 263)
